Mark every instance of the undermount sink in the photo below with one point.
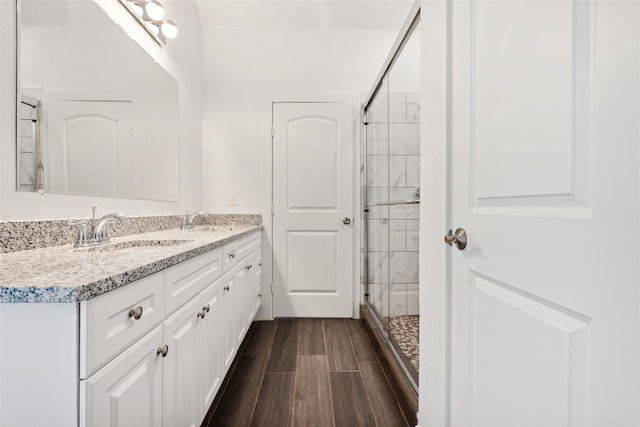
(134, 244)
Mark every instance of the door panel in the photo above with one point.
(312, 194)
(90, 148)
(313, 162)
(312, 260)
(544, 319)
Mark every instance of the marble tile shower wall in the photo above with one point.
(393, 152)
(23, 235)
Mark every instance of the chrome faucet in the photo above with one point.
(98, 233)
(188, 220)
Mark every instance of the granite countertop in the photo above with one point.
(64, 274)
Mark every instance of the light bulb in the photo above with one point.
(154, 10)
(169, 29)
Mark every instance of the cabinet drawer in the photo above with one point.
(108, 322)
(189, 278)
(230, 256)
(248, 244)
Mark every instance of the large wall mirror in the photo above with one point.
(97, 116)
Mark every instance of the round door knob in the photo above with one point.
(346, 220)
(459, 238)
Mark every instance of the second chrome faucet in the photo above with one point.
(187, 220)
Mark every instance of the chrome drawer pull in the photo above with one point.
(206, 308)
(136, 313)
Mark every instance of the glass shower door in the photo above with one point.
(392, 205)
(377, 188)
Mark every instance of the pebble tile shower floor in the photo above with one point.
(406, 332)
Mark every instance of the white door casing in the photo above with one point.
(312, 195)
(544, 135)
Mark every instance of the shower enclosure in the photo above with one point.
(390, 202)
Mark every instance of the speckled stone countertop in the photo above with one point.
(66, 274)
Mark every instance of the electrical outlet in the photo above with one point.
(233, 199)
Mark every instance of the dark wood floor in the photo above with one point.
(306, 372)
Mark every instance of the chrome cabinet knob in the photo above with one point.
(346, 220)
(459, 238)
(227, 287)
(232, 256)
(136, 313)
(205, 310)
(163, 350)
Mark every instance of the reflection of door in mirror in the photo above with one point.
(29, 155)
(90, 148)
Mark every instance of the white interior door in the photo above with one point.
(544, 179)
(312, 196)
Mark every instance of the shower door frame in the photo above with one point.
(405, 33)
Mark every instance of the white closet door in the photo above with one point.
(313, 204)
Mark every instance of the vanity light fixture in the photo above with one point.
(150, 14)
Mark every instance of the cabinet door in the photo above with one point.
(210, 340)
(180, 367)
(126, 392)
(240, 318)
(227, 313)
(255, 283)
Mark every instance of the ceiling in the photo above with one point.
(305, 14)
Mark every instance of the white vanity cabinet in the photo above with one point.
(151, 353)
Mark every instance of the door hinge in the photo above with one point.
(273, 131)
(273, 210)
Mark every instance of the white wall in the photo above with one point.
(182, 59)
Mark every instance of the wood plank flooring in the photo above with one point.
(306, 372)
